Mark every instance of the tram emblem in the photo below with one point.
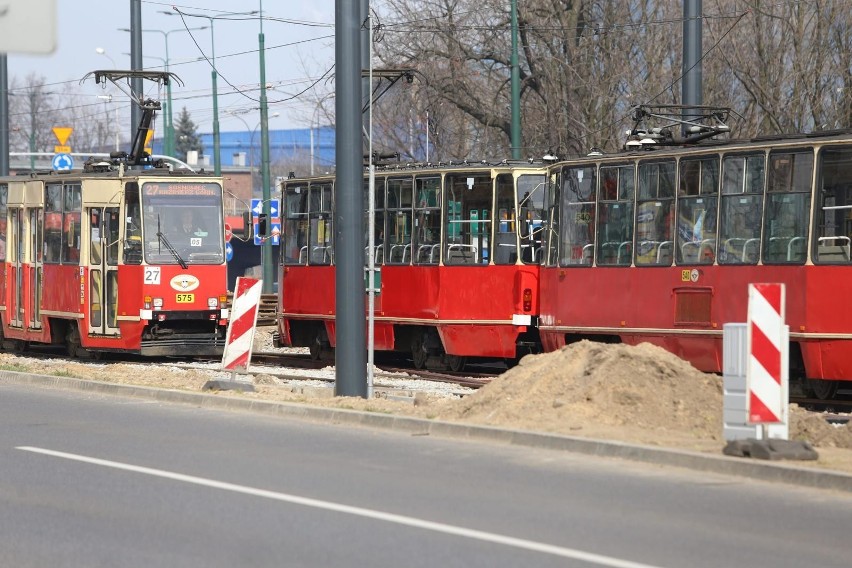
(184, 282)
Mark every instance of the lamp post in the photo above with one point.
(217, 162)
(168, 125)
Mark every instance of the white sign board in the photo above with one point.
(28, 26)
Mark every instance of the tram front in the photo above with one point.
(175, 233)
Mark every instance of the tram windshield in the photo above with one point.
(182, 223)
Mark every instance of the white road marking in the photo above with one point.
(534, 546)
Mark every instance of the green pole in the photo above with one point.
(217, 164)
(168, 129)
(266, 247)
(516, 87)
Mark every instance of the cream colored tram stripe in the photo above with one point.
(543, 548)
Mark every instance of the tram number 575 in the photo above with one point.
(152, 275)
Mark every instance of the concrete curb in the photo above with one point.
(764, 471)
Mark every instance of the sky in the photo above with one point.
(299, 41)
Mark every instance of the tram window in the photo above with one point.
(468, 219)
(655, 214)
(615, 216)
(295, 246)
(379, 222)
(399, 220)
(833, 225)
(72, 213)
(425, 248)
(551, 200)
(132, 226)
(578, 216)
(52, 222)
(787, 209)
(320, 250)
(506, 234)
(531, 195)
(697, 204)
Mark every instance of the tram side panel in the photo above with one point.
(484, 309)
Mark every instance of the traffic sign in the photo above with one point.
(63, 162)
(229, 233)
(62, 133)
(62, 149)
(229, 252)
(257, 207)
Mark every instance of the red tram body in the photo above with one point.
(94, 260)
(458, 249)
(659, 246)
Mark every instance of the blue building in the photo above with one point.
(300, 146)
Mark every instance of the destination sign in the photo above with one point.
(171, 188)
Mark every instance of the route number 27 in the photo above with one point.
(152, 275)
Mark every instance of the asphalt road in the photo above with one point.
(90, 480)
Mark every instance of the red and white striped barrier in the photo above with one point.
(241, 325)
(766, 370)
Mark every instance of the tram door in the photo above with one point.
(103, 270)
(16, 256)
(36, 229)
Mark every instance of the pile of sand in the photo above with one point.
(640, 394)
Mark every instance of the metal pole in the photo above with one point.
(516, 87)
(217, 163)
(168, 128)
(4, 115)
(350, 352)
(135, 63)
(266, 247)
(371, 199)
(692, 89)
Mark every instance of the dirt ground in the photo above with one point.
(639, 394)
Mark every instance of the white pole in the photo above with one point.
(371, 256)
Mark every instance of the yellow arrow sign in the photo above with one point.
(62, 133)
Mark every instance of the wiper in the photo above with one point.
(169, 246)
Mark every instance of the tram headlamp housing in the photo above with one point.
(158, 303)
(213, 303)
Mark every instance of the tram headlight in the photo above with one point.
(158, 303)
(213, 303)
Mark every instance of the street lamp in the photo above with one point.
(169, 129)
(102, 51)
(217, 161)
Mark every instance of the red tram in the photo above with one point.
(459, 251)
(124, 256)
(659, 245)
(99, 261)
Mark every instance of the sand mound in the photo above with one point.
(642, 393)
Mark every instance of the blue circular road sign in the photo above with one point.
(62, 162)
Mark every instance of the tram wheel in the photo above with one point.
(822, 389)
(455, 363)
(419, 355)
(315, 348)
(72, 340)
